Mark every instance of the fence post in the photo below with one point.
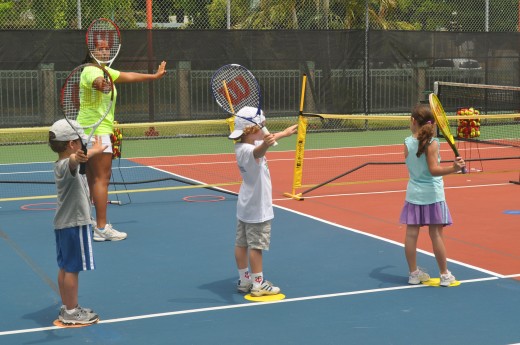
(183, 89)
(310, 102)
(421, 83)
(47, 88)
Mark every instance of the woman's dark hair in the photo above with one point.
(87, 59)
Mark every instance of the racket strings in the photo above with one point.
(241, 85)
(103, 34)
(77, 98)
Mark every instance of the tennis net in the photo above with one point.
(155, 156)
(471, 100)
(365, 151)
(350, 153)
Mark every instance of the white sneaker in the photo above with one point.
(447, 279)
(244, 286)
(266, 288)
(109, 234)
(418, 276)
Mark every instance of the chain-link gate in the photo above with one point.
(426, 15)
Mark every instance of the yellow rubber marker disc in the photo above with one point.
(58, 323)
(437, 282)
(268, 298)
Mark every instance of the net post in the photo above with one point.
(300, 147)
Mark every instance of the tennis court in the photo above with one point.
(337, 256)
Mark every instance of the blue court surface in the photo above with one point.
(172, 281)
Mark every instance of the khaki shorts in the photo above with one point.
(253, 235)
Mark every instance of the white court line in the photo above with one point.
(390, 191)
(495, 274)
(252, 305)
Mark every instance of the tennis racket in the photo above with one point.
(443, 124)
(235, 87)
(87, 97)
(103, 41)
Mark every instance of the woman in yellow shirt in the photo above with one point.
(99, 168)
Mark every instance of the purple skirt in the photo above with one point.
(437, 213)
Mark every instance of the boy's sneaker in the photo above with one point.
(447, 279)
(109, 234)
(244, 286)
(418, 276)
(80, 316)
(266, 288)
(62, 310)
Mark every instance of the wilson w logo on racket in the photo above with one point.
(235, 88)
(103, 40)
(104, 35)
(238, 90)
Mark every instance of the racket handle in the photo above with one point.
(264, 129)
(463, 170)
(82, 168)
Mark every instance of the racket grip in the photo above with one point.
(463, 170)
(82, 168)
(264, 129)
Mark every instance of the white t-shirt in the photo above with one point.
(255, 198)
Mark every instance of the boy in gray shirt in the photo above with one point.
(72, 222)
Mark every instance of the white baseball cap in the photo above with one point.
(241, 124)
(64, 132)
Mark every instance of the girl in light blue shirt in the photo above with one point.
(425, 203)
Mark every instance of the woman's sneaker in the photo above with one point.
(447, 279)
(109, 234)
(418, 276)
(79, 316)
(266, 288)
(244, 286)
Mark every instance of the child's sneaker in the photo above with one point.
(447, 279)
(244, 286)
(266, 288)
(62, 310)
(80, 316)
(109, 234)
(418, 276)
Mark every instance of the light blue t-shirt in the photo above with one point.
(423, 188)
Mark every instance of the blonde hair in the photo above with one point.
(251, 130)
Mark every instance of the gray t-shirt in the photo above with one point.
(73, 200)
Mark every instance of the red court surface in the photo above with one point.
(370, 200)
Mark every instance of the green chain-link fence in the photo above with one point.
(429, 15)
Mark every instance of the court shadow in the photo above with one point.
(225, 289)
(387, 278)
(45, 318)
